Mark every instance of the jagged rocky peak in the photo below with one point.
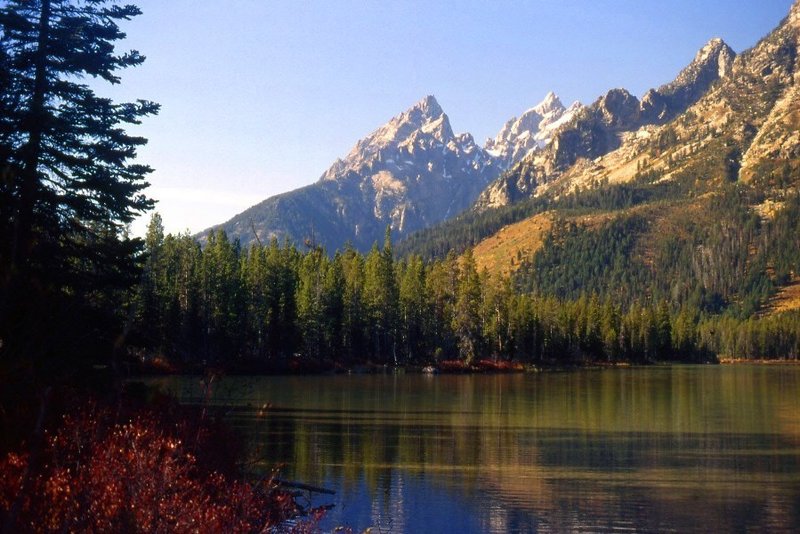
(422, 126)
(409, 173)
(794, 13)
(465, 142)
(428, 106)
(714, 60)
(550, 104)
(426, 116)
(718, 50)
(618, 109)
(532, 131)
(711, 63)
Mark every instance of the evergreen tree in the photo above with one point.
(182, 329)
(281, 271)
(380, 291)
(354, 335)
(68, 186)
(311, 301)
(152, 292)
(221, 293)
(467, 318)
(333, 306)
(440, 288)
(412, 309)
(257, 297)
(496, 315)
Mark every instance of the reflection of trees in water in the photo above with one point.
(649, 448)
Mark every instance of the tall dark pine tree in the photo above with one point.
(68, 185)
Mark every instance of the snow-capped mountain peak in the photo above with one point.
(422, 125)
(429, 106)
(531, 131)
(409, 173)
(550, 104)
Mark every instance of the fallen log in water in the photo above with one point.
(301, 486)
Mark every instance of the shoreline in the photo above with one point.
(452, 367)
(758, 361)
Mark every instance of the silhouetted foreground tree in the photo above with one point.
(68, 186)
(68, 189)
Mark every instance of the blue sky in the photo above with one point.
(261, 96)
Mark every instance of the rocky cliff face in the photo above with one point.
(745, 127)
(770, 75)
(600, 128)
(408, 174)
(712, 62)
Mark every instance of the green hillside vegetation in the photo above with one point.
(697, 244)
(699, 215)
(726, 259)
(587, 296)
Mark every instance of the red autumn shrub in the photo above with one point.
(98, 476)
(499, 366)
(453, 366)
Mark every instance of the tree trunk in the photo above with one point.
(34, 124)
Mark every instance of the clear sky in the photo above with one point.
(260, 96)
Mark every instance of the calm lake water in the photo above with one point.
(679, 448)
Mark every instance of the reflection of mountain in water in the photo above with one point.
(679, 448)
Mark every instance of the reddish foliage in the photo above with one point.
(499, 366)
(133, 477)
(482, 366)
(453, 366)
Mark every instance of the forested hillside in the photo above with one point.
(698, 211)
(274, 307)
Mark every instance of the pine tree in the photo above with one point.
(257, 296)
(68, 186)
(311, 301)
(281, 270)
(221, 291)
(381, 299)
(412, 309)
(440, 285)
(152, 294)
(333, 306)
(467, 318)
(353, 306)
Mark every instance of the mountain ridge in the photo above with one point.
(700, 211)
(414, 171)
(596, 130)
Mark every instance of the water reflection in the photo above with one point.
(651, 449)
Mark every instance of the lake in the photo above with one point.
(666, 448)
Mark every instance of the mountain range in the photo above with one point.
(690, 195)
(409, 174)
(598, 129)
(724, 117)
